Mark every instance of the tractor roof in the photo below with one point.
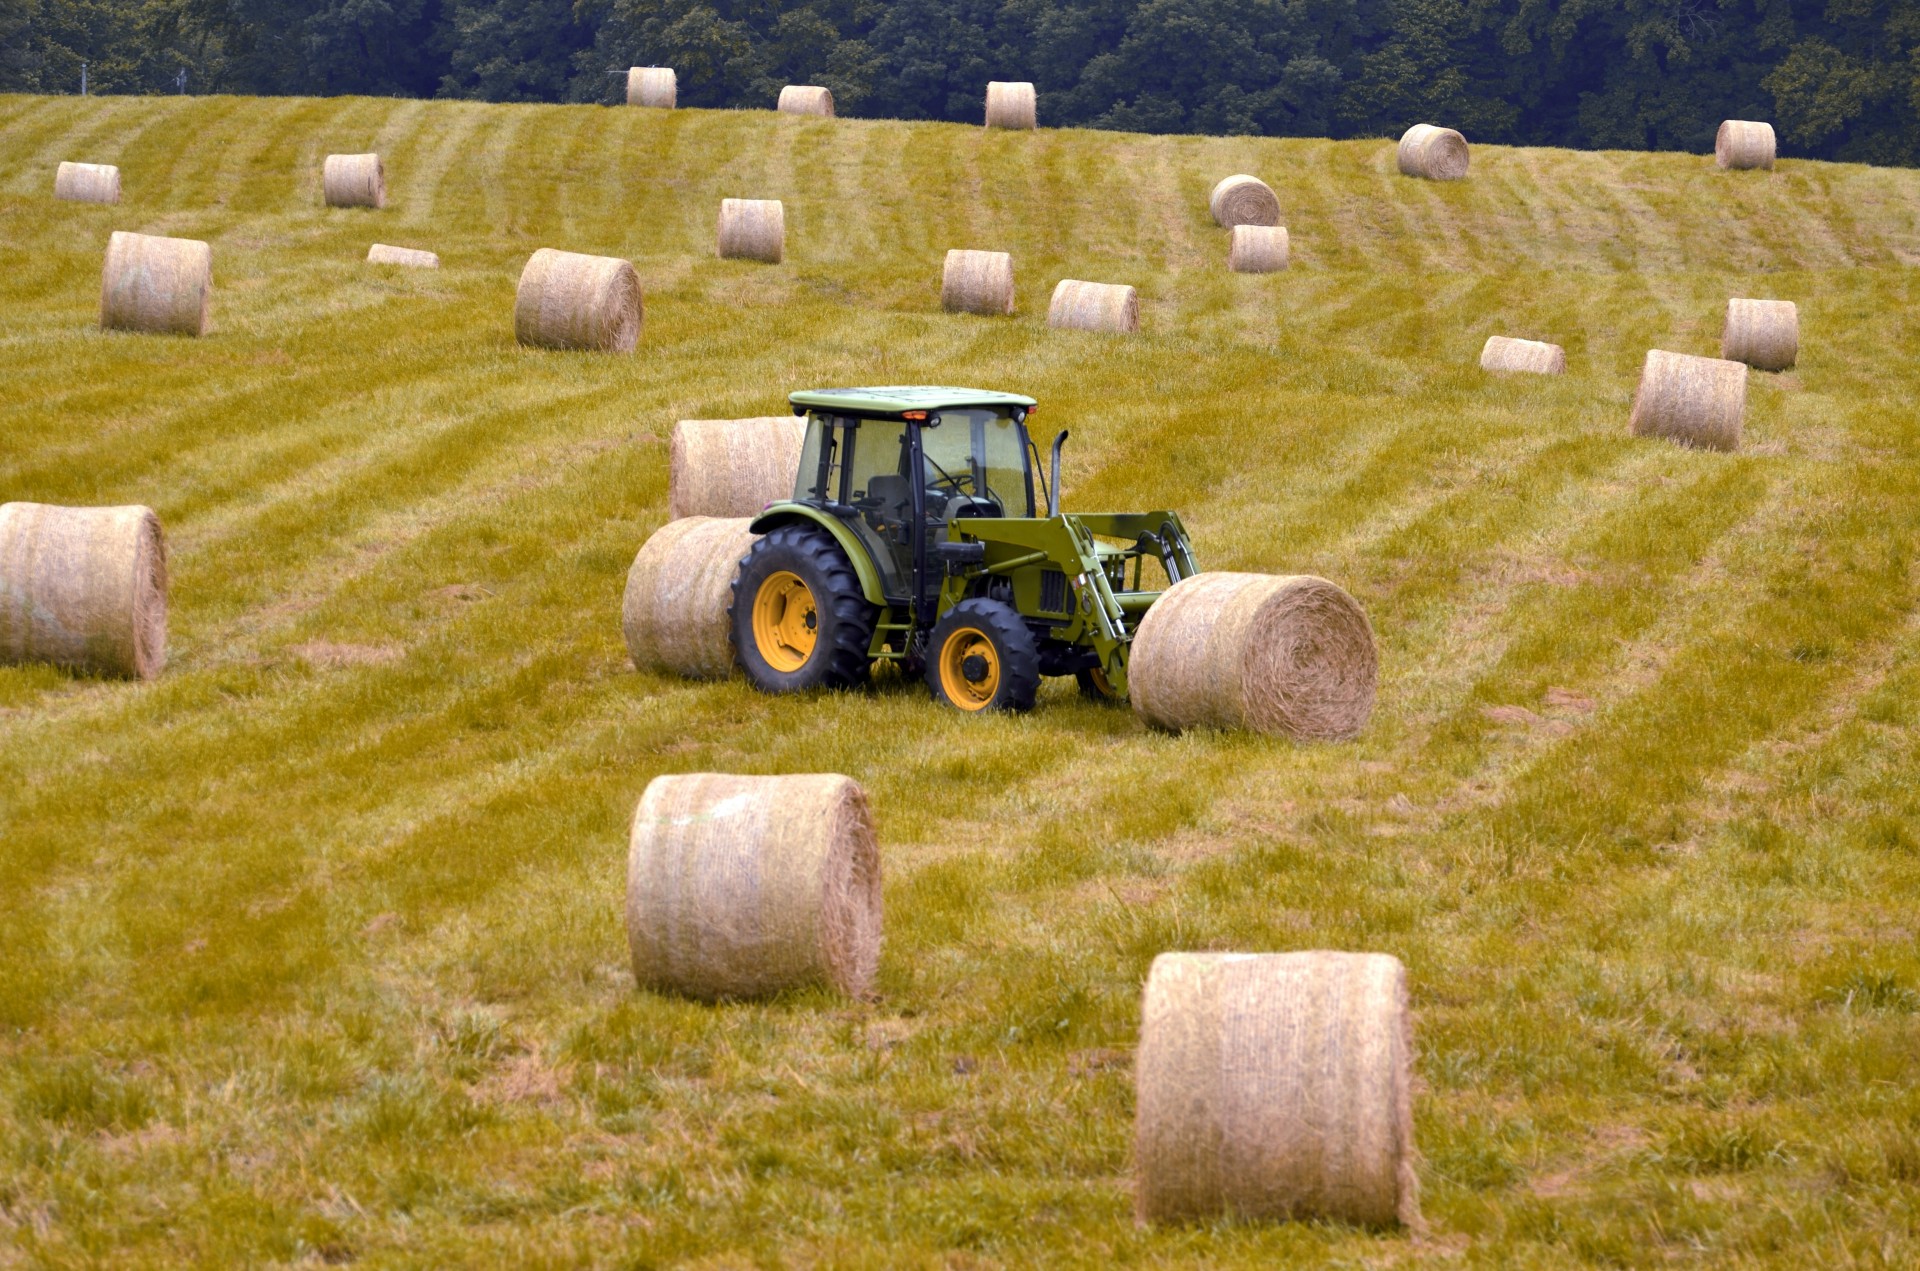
(893, 401)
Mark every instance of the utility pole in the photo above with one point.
(180, 80)
(83, 79)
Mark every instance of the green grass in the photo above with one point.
(313, 950)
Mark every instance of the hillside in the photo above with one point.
(312, 949)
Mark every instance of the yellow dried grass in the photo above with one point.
(1744, 144)
(1258, 249)
(752, 229)
(1765, 334)
(156, 285)
(977, 282)
(412, 258)
(1438, 154)
(1243, 200)
(1697, 401)
(674, 612)
(354, 180)
(84, 588)
(567, 300)
(1093, 306)
(806, 99)
(1503, 353)
(1012, 105)
(87, 183)
(732, 467)
(655, 86)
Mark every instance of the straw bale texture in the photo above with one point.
(87, 183)
(570, 301)
(355, 180)
(1439, 154)
(741, 887)
(381, 254)
(154, 284)
(1285, 654)
(732, 467)
(1275, 1086)
(1012, 105)
(753, 229)
(83, 588)
(654, 86)
(1093, 306)
(1243, 200)
(674, 614)
(1765, 334)
(1744, 143)
(806, 99)
(1697, 401)
(977, 282)
(1503, 353)
(1258, 249)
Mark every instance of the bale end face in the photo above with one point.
(1287, 655)
(1258, 249)
(84, 588)
(1243, 200)
(1765, 334)
(977, 282)
(1275, 1086)
(1012, 105)
(567, 300)
(752, 229)
(741, 887)
(354, 180)
(1438, 154)
(1536, 357)
(1696, 401)
(155, 285)
(87, 183)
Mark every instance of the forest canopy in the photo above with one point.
(1839, 80)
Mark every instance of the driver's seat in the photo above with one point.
(893, 496)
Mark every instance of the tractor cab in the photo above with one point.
(914, 536)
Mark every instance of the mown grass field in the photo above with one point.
(312, 950)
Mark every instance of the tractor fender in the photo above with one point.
(800, 514)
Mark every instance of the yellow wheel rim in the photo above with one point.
(955, 655)
(786, 623)
(1101, 683)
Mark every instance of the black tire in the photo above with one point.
(837, 613)
(982, 657)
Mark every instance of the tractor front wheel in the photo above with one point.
(981, 657)
(799, 619)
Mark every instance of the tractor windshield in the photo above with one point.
(978, 453)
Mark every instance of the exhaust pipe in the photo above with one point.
(1053, 489)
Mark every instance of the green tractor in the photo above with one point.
(913, 537)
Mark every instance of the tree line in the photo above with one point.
(1839, 79)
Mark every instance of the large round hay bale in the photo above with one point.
(1243, 200)
(806, 99)
(570, 301)
(154, 284)
(1765, 334)
(1285, 654)
(1697, 401)
(83, 588)
(1258, 249)
(732, 467)
(977, 282)
(1012, 105)
(1275, 1086)
(740, 887)
(674, 613)
(1093, 306)
(354, 180)
(381, 254)
(87, 183)
(1503, 353)
(1743, 143)
(753, 229)
(655, 86)
(1439, 154)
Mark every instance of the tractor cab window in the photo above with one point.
(877, 459)
(975, 456)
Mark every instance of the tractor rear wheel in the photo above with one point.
(982, 657)
(799, 620)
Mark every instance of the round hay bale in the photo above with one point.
(1284, 654)
(753, 229)
(570, 301)
(1765, 334)
(1696, 401)
(1093, 306)
(1012, 105)
(732, 467)
(740, 887)
(87, 183)
(84, 588)
(1503, 353)
(977, 282)
(1439, 154)
(806, 99)
(1275, 1086)
(655, 86)
(1743, 143)
(1258, 249)
(381, 254)
(674, 613)
(1243, 200)
(354, 180)
(157, 285)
